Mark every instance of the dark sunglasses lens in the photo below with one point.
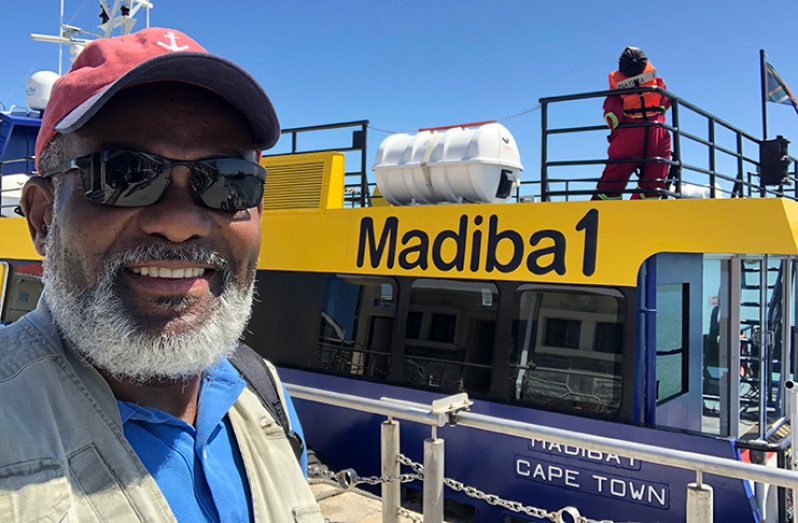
(229, 184)
(124, 178)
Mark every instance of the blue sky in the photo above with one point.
(411, 64)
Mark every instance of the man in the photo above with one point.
(119, 402)
(634, 70)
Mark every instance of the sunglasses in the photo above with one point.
(136, 179)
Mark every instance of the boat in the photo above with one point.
(668, 322)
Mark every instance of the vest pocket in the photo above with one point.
(100, 488)
(307, 514)
(34, 491)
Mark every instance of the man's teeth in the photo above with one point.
(161, 272)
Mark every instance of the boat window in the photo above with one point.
(672, 336)
(22, 290)
(357, 325)
(450, 332)
(567, 348)
(716, 350)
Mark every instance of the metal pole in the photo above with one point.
(764, 78)
(764, 393)
(650, 408)
(364, 188)
(677, 145)
(786, 328)
(699, 502)
(712, 177)
(793, 402)
(433, 480)
(735, 288)
(724, 346)
(391, 492)
(544, 174)
(60, 34)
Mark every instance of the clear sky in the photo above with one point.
(411, 64)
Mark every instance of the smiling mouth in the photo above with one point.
(163, 272)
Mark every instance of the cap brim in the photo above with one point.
(213, 72)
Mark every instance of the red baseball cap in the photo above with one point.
(109, 65)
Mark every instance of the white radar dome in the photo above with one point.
(37, 93)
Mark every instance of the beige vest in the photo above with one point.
(64, 456)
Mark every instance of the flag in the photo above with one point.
(777, 90)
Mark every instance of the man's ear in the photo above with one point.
(37, 204)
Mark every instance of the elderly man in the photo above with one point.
(119, 400)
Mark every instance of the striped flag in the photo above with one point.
(777, 90)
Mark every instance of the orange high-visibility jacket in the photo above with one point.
(632, 103)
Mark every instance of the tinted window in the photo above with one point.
(567, 348)
(672, 339)
(357, 325)
(450, 334)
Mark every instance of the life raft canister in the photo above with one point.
(633, 103)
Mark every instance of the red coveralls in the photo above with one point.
(628, 143)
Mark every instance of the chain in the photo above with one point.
(348, 478)
(409, 515)
(519, 114)
(314, 470)
(388, 132)
(492, 499)
(498, 120)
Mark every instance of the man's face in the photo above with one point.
(101, 261)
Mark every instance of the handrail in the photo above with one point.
(421, 413)
(742, 187)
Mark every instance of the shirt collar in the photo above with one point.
(221, 386)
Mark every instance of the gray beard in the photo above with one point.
(98, 324)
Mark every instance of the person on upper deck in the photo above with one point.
(123, 396)
(634, 69)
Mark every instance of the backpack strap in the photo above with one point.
(251, 366)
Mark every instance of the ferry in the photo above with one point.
(668, 322)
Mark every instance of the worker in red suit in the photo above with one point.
(634, 69)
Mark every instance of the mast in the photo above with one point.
(120, 14)
(764, 81)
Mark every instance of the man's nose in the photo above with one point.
(177, 216)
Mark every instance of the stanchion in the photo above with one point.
(699, 502)
(391, 491)
(433, 479)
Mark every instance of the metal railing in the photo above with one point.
(452, 411)
(357, 191)
(742, 181)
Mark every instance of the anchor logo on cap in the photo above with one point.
(172, 46)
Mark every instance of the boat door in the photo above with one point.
(677, 352)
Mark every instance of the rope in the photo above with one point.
(388, 132)
(519, 114)
(498, 120)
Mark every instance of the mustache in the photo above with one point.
(154, 252)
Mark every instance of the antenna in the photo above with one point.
(60, 47)
(120, 14)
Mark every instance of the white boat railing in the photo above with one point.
(451, 410)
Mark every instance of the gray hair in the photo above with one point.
(55, 152)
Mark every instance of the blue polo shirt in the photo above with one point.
(198, 469)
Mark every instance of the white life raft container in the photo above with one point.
(479, 165)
